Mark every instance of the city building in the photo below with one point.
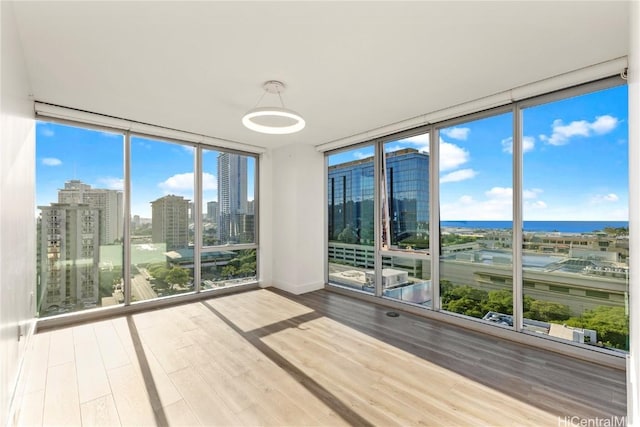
(350, 196)
(192, 210)
(69, 250)
(108, 203)
(235, 223)
(170, 221)
(212, 212)
(290, 348)
(70, 236)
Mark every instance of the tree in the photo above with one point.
(466, 306)
(610, 323)
(463, 299)
(246, 270)
(243, 265)
(178, 276)
(455, 239)
(547, 311)
(499, 301)
(159, 271)
(228, 271)
(617, 231)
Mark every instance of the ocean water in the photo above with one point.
(548, 226)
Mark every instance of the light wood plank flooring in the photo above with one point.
(267, 358)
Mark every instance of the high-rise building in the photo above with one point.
(192, 212)
(170, 221)
(108, 202)
(212, 211)
(351, 197)
(135, 222)
(69, 255)
(233, 225)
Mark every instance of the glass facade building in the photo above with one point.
(351, 193)
(407, 179)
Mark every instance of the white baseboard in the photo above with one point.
(298, 289)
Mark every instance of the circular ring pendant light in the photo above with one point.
(273, 120)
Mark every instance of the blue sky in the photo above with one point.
(96, 158)
(575, 162)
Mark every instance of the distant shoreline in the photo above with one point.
(539, 226)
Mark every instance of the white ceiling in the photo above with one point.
(349, 66)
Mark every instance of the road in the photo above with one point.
(140, 287)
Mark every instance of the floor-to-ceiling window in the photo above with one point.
(191, 226)
(529, 202)
(162, 211)
(404, 200)
(350, 214)
(79, 183)
(228, 241)
(476, 211)
(575, 210)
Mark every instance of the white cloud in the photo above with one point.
(391, 149)
(604, 124)
(51, 161)
(182, 183)
(111, 134)
(528, 144)
(466, 200)
(112, 183)
(605, 198)
(531, 194)
(562, 133)
(45, 131)
(538, 204)
(457, 133)
(452, 156)
(420, 141)
(189, 149)
(499, 192)
(459, 175)
(209, 182)
(497, 206)
(360, 155)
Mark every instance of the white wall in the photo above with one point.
(297, 245)
(633, 367)
(17, 207)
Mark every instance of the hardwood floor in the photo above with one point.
(264, 357)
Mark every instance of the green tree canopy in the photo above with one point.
(178, 276)
(499, 301)
(159, 271)
(547, 311)
(610, 323)
(228, 271)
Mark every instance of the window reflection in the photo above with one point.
(351, 219)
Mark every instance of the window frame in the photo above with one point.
(515, 107)
(127, 134)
